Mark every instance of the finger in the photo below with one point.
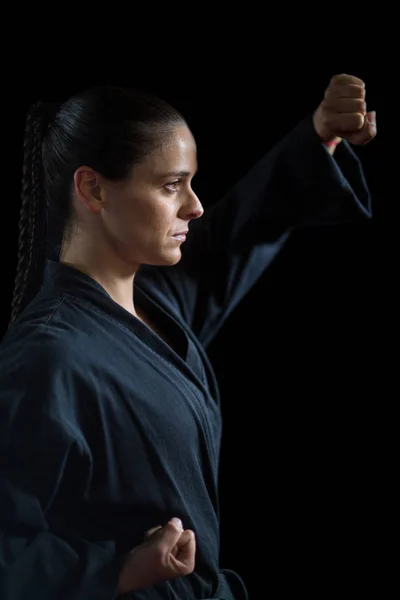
(186, 538)
(344, 79)
(345, 91)
(185, 557)
(340, 123)
(346, 105)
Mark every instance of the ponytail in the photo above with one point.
(32, 221)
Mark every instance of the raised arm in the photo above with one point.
(299, 182)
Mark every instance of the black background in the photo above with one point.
(304, 361)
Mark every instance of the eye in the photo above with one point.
(173, 185)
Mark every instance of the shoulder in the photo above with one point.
(40, 359)
(35, 341)
(50, 331)
(44, 387)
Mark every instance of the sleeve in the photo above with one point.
(298, 183)
(44, 460)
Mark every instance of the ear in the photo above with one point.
(88, 188)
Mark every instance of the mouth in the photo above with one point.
(180, 236)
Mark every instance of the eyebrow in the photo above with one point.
(179, 173)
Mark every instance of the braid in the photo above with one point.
(32, 224)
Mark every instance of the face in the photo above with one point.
(141, 217)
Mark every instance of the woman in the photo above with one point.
(110, 421)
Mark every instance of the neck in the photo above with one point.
(115, 275)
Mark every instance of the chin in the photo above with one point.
(173, 259)
(166, 259)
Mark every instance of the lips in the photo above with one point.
(180, 233)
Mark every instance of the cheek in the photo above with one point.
(160, 214)
(150, 214)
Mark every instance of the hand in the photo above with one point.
(167, 553)
(343, 112)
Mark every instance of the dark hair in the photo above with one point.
(107, 128)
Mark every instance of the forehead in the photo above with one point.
(177, 153)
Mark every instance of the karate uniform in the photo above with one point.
(105, 430)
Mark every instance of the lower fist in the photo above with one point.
(343, 112)
(167, 553)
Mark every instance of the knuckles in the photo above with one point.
(352, 122)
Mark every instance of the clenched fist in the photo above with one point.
(167, 553)
(343, 112)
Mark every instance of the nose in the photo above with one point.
(192, 208)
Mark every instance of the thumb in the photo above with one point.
(370, 123)
(367, 133)
(170, 533)
(150, 532)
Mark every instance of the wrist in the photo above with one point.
(331, 145)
